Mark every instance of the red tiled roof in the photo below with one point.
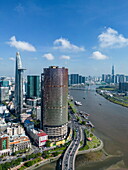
(42, 134)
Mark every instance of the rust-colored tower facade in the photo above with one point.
(54, 90)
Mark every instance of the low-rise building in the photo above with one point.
(3, 124)
(28, 124)
(14, 139)
(39, 136)
(123, 87)
(11, 105)
(2, 109)
(33, 102)
(24, 116)
(4, 94)
(4, 145)
(38, 113)
(18, 143)
(15, 129)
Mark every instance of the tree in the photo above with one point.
(39, 154)
(30, 163)
(48, 143)
(12, 163)
(55, 154)
(19, 159)
(27, 157)
(6, 165)
(0, 167)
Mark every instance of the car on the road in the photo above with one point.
(4, 159)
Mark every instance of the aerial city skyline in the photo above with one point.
(63, 84)
(40, 114)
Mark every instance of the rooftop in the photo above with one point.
(39, 132)
(42, 134)
(28, 121)
(18, 139)
(53, 67)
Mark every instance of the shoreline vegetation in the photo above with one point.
(94, 143)
(123, 101)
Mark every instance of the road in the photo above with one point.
(68, 162)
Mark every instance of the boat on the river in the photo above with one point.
(78, 103)
(90, 124)
(83, 113)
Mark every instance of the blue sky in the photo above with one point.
(87, 36)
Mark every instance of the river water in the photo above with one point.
(111, 125)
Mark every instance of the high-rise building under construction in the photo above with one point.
(54, 113)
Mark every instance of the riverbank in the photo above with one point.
(82, 158)
(91, 157)
(99, 158)
(41, 164)
(111, 125)
(114, 99)
(113, 95)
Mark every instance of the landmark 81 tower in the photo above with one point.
(54, 114)
(113, 74)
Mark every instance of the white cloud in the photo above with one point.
(111, 38)
(12, 59)
(64, 44)
(21, 45)
(98, 56)
(65, 57)
(48, 56)
(1, 58)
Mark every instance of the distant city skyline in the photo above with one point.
(87, 37)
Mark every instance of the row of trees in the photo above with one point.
(32, 162)
(20, 152)
(47, 155)
(11, 164)
(17, 162)
(32, 156)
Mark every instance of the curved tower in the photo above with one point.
(54, 89)
(18, 85)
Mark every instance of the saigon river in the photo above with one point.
(111, 126)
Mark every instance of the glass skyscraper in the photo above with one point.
(18, 85)
(113, 76)
(33, 86)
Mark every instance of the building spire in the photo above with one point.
(18, 61)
